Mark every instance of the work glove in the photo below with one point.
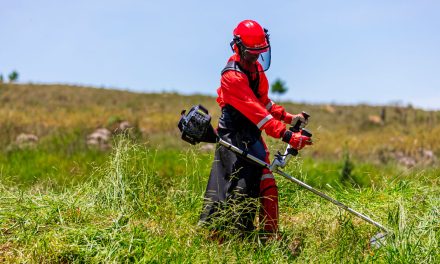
(293, 119)
(296, 140)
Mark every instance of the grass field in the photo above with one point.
(63, 201)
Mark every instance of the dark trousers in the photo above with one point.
(231, 198)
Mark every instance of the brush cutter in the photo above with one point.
(196, 127)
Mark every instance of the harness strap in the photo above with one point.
(232, 66)
(254, 84)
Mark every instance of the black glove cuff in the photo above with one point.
(287, 136)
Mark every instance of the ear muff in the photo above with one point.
(232, 44)
(235, 44)
(234, 47)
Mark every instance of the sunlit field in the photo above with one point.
(137, 196)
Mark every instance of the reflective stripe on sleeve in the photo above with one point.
(269, 105)
(267, 176)
(264, 121)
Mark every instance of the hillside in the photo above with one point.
(45, 110)
(136, 196)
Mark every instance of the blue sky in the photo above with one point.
(344, 52)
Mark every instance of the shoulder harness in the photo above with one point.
(254, 84)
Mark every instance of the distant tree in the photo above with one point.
(13, 76)
(279, 87)
(1, 78)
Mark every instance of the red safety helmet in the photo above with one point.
(250, 37)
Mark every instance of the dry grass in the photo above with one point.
(45, 109)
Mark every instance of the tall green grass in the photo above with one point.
(142, 205)
(60, 160)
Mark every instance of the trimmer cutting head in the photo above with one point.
(378, 240)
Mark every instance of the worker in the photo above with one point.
(236, 185)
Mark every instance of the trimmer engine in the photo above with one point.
(196, 126)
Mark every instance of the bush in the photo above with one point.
(279, 87)
(347, 168)
(13, 76)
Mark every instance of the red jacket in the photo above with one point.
(264, 113)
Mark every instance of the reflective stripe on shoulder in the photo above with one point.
(269, 105)
(264, 121)
(267, 176)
